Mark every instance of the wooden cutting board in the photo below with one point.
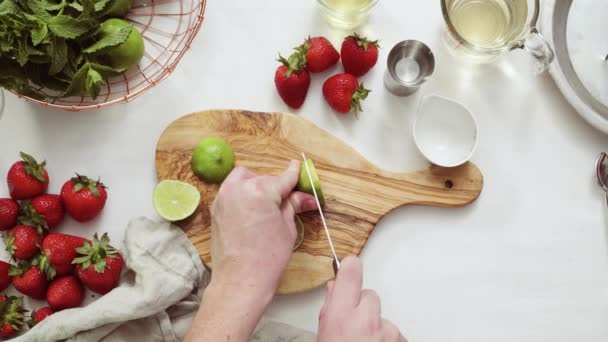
(358, 194)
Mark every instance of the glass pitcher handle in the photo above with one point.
(536, 45)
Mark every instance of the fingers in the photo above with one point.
(347, 289)
(286, 182)
(302, 202)
(391, 333)
(330, 290)
(239, 174)
(370, 303)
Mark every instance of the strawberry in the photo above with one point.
(29, 280)
(22, 242)
(5, 278)
(292, 79)
(27, 178)
(83, 198)
(49, 208)
(39, 316)
(343, 93)
(321, 55)
(11, 320)
(359, 55)
(106, 263)
(64, 293)
(59, 250)
(9, 212)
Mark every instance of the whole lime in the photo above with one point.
(212, 160)
(127, 54)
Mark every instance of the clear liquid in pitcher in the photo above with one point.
(488, 23)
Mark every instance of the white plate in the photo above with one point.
(577, 30)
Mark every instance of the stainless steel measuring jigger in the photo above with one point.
(409, 64)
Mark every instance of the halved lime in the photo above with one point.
(175, 200)
(300, 229)
(304, 181)
(212, 160)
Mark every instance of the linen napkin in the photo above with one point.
(158, 297)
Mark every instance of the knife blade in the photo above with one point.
(336, 262)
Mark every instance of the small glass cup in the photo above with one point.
(483, 30)
(346, 14)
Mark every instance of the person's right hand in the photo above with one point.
(352, 314)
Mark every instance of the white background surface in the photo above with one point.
(527, 262)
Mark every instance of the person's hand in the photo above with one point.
(352, 314)
(253, 229)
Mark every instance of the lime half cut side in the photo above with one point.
(175, 200)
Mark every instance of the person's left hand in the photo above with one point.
(253, 229)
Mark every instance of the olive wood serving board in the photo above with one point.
(358, 194)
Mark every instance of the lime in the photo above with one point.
(127, 54)
(304, 182)
(175, 200)
(300, 229)
(212, 160)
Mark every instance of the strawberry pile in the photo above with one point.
(342, 91)
(46, 265)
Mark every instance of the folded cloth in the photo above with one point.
(157, 299)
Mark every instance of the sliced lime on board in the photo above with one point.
(175, 200)
(304, 182)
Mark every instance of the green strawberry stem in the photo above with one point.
(296, 61)
(43, 262)
(364, 42)
(358, 96)
(30, 217)
(84, 182)
(32, 167)
(96, 253)
(12, 312)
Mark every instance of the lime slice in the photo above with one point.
(300, 229)
(212, 160)
(175, 200)
(304, 182)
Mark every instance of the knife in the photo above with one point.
(336, 262)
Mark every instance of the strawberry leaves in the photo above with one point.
(32, 167)
(95, 253)
(84, 182)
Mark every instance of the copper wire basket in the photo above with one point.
(168, 28)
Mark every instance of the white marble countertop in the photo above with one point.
(527, 262)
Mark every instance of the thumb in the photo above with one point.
(286, 182)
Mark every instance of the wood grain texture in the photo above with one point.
(358, 194)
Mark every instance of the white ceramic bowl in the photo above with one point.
(445, 131)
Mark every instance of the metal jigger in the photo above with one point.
(409, 64)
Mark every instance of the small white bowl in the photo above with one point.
(445, 131)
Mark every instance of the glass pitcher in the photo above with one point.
(482, 30)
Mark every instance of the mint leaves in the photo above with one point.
(110, 40)
(56, 44)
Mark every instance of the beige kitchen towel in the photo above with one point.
(157, 299)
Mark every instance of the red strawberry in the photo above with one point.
(292, 79)
(83, 198)
(29, 280)
(321, 54)
(359, 55)
(39, 316)
(23, 242)
(59, 251)
(64, 293)
(9, 212)
(49, 208)
(100, 266)
(343, 93)
(11, 309)
(5, 279)
(27, 178)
